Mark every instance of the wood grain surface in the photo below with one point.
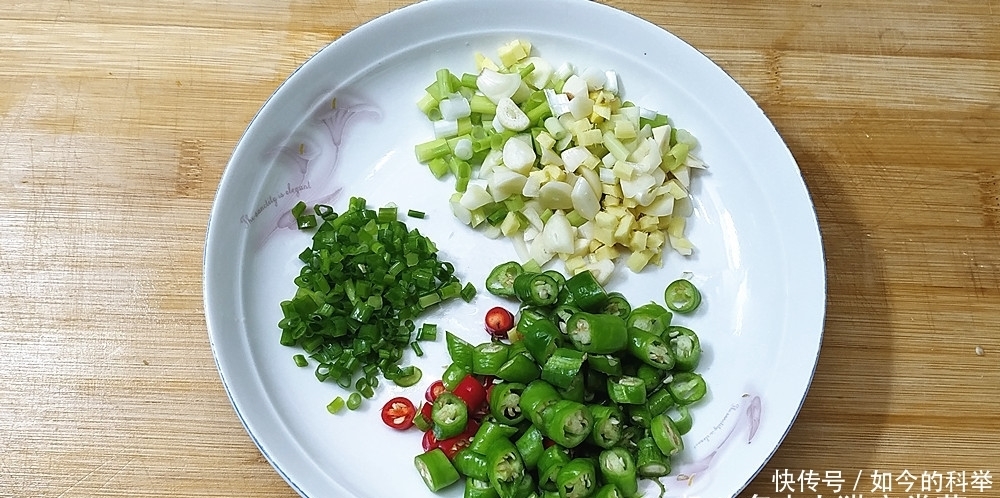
(117, 118)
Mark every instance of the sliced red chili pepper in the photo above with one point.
(499, 321)
(471, 391)
(398, 413)
(435, 389)
(453, 445)
(429, 442)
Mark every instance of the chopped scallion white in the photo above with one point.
(561, 164)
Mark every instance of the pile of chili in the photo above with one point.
(586, 395)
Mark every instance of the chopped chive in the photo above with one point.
(417, 350)
(468, 292)
(303, 219)
(429, 299)
(387, 214)
(365, 280)
(354, 401)
(336, 405)
(428, 332)
(408, 376)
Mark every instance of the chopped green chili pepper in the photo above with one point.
(660, 401)
(470, 464)
(460, 350)
(607, 364)
(536, 397)
(651, 318)
(449, 415)
(567, 423)
(682, 296)
(595, 386)
(685, 347)
(627, 390)
(536, 289)
(453, 375)
(487, 358)
(531, 445)
(640, 416)
(549, 464)
(504, 403)
(562, 367)
(540, 335)
(687, 387)
(436, 469)
(557, 276)
(577, 479)
(505, 467)
(527, 488)
(609, 491)
(650, 461)
(665, 435)
(519, 367)
(561, 314)
(684, 421)
(500, 282)
(651, 376)
(650, 349)
(617, 305)
(608, 425)
(488, 433)
(597, 333)
(475, 488)
(576, 390)
(585, 291)
(618, 467)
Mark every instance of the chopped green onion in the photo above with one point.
(417, 350)
(428, 332)
(336, 405)
(353, 401)
(300, 360)
(412, 213)
(364, 281)
(303, 219)
(387, 214)
(408, 376)
(468, 292)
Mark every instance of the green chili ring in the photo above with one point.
(682, 296)
(687, 388)
(449, 416)
(500, 281)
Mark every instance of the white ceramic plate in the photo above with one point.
(759, 259)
